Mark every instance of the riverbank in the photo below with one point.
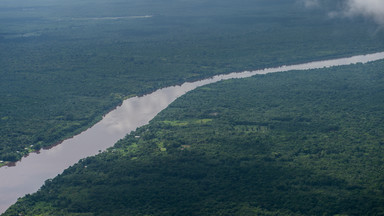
(133, 113)
(262, 145)
(65, 134)
(61, 75)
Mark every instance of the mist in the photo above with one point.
(369, 9)
(373, 9)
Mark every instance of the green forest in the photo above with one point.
(66, 63)
(292, 143)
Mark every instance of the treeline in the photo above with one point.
(61, 68)
(294, 143)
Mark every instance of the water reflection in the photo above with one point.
(30, 173)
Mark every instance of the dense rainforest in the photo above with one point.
(66, 63)
(292, 143)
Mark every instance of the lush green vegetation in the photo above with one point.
(63, 65)
(294, 143)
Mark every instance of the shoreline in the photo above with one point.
(281, 68)
(134, 112)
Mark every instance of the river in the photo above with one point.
(29, 174)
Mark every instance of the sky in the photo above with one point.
(370, 9)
